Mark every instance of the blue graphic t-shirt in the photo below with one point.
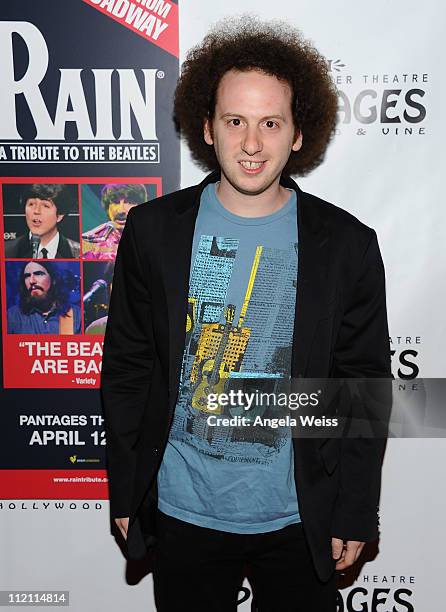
(242, 294)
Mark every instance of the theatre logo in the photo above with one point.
(117, 125)
(390, 103)
(405, 353)
(375, 593)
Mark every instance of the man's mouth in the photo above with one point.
(252, 167)
(35, 289)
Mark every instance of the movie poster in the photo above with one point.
(86, 133)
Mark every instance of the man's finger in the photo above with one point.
(351, 552)
(337, 546)
(122, 524)
(359, 550)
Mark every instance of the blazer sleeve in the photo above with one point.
(362, 351)
(127, 364)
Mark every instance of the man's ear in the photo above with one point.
(298, 141)
(59, 218)
(207, 132)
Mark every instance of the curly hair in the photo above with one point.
(275, 49)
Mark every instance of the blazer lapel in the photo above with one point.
(312, 270)
(63, 250)
(176, 258)
(24, 248)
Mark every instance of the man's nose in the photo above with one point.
(252, 142)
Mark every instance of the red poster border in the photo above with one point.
(35, 483)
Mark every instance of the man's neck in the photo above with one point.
(256, 205)
(45, 310)
(46, 238)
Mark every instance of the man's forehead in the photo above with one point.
(34, 267)
(251, 88)
(37, 200)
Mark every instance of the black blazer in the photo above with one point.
(340, 330)
(21, 248)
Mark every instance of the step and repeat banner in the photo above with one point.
(86, 133)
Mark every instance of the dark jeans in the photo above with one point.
(197, 569)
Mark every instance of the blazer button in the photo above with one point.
(156, 451)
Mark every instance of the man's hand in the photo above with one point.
(123, 525)
(345, 552)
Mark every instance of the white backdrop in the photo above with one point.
(392, 183)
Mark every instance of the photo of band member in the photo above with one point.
(41, 221)
(43, 297)
(98, 278)
(104, 213)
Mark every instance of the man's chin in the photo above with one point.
(37, 231)
(39, 302)
(251, 185)
(253, 188)
(119, 225)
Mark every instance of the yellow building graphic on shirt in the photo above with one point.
(220, 350)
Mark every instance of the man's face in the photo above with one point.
(252, 131)
(37, 281)
(41, 216)
(118, 212)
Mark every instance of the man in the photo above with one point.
(45, 208)
(102, 241)
(44, 307)
(204, 293)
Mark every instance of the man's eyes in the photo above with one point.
(33, 205)
(269, 123)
